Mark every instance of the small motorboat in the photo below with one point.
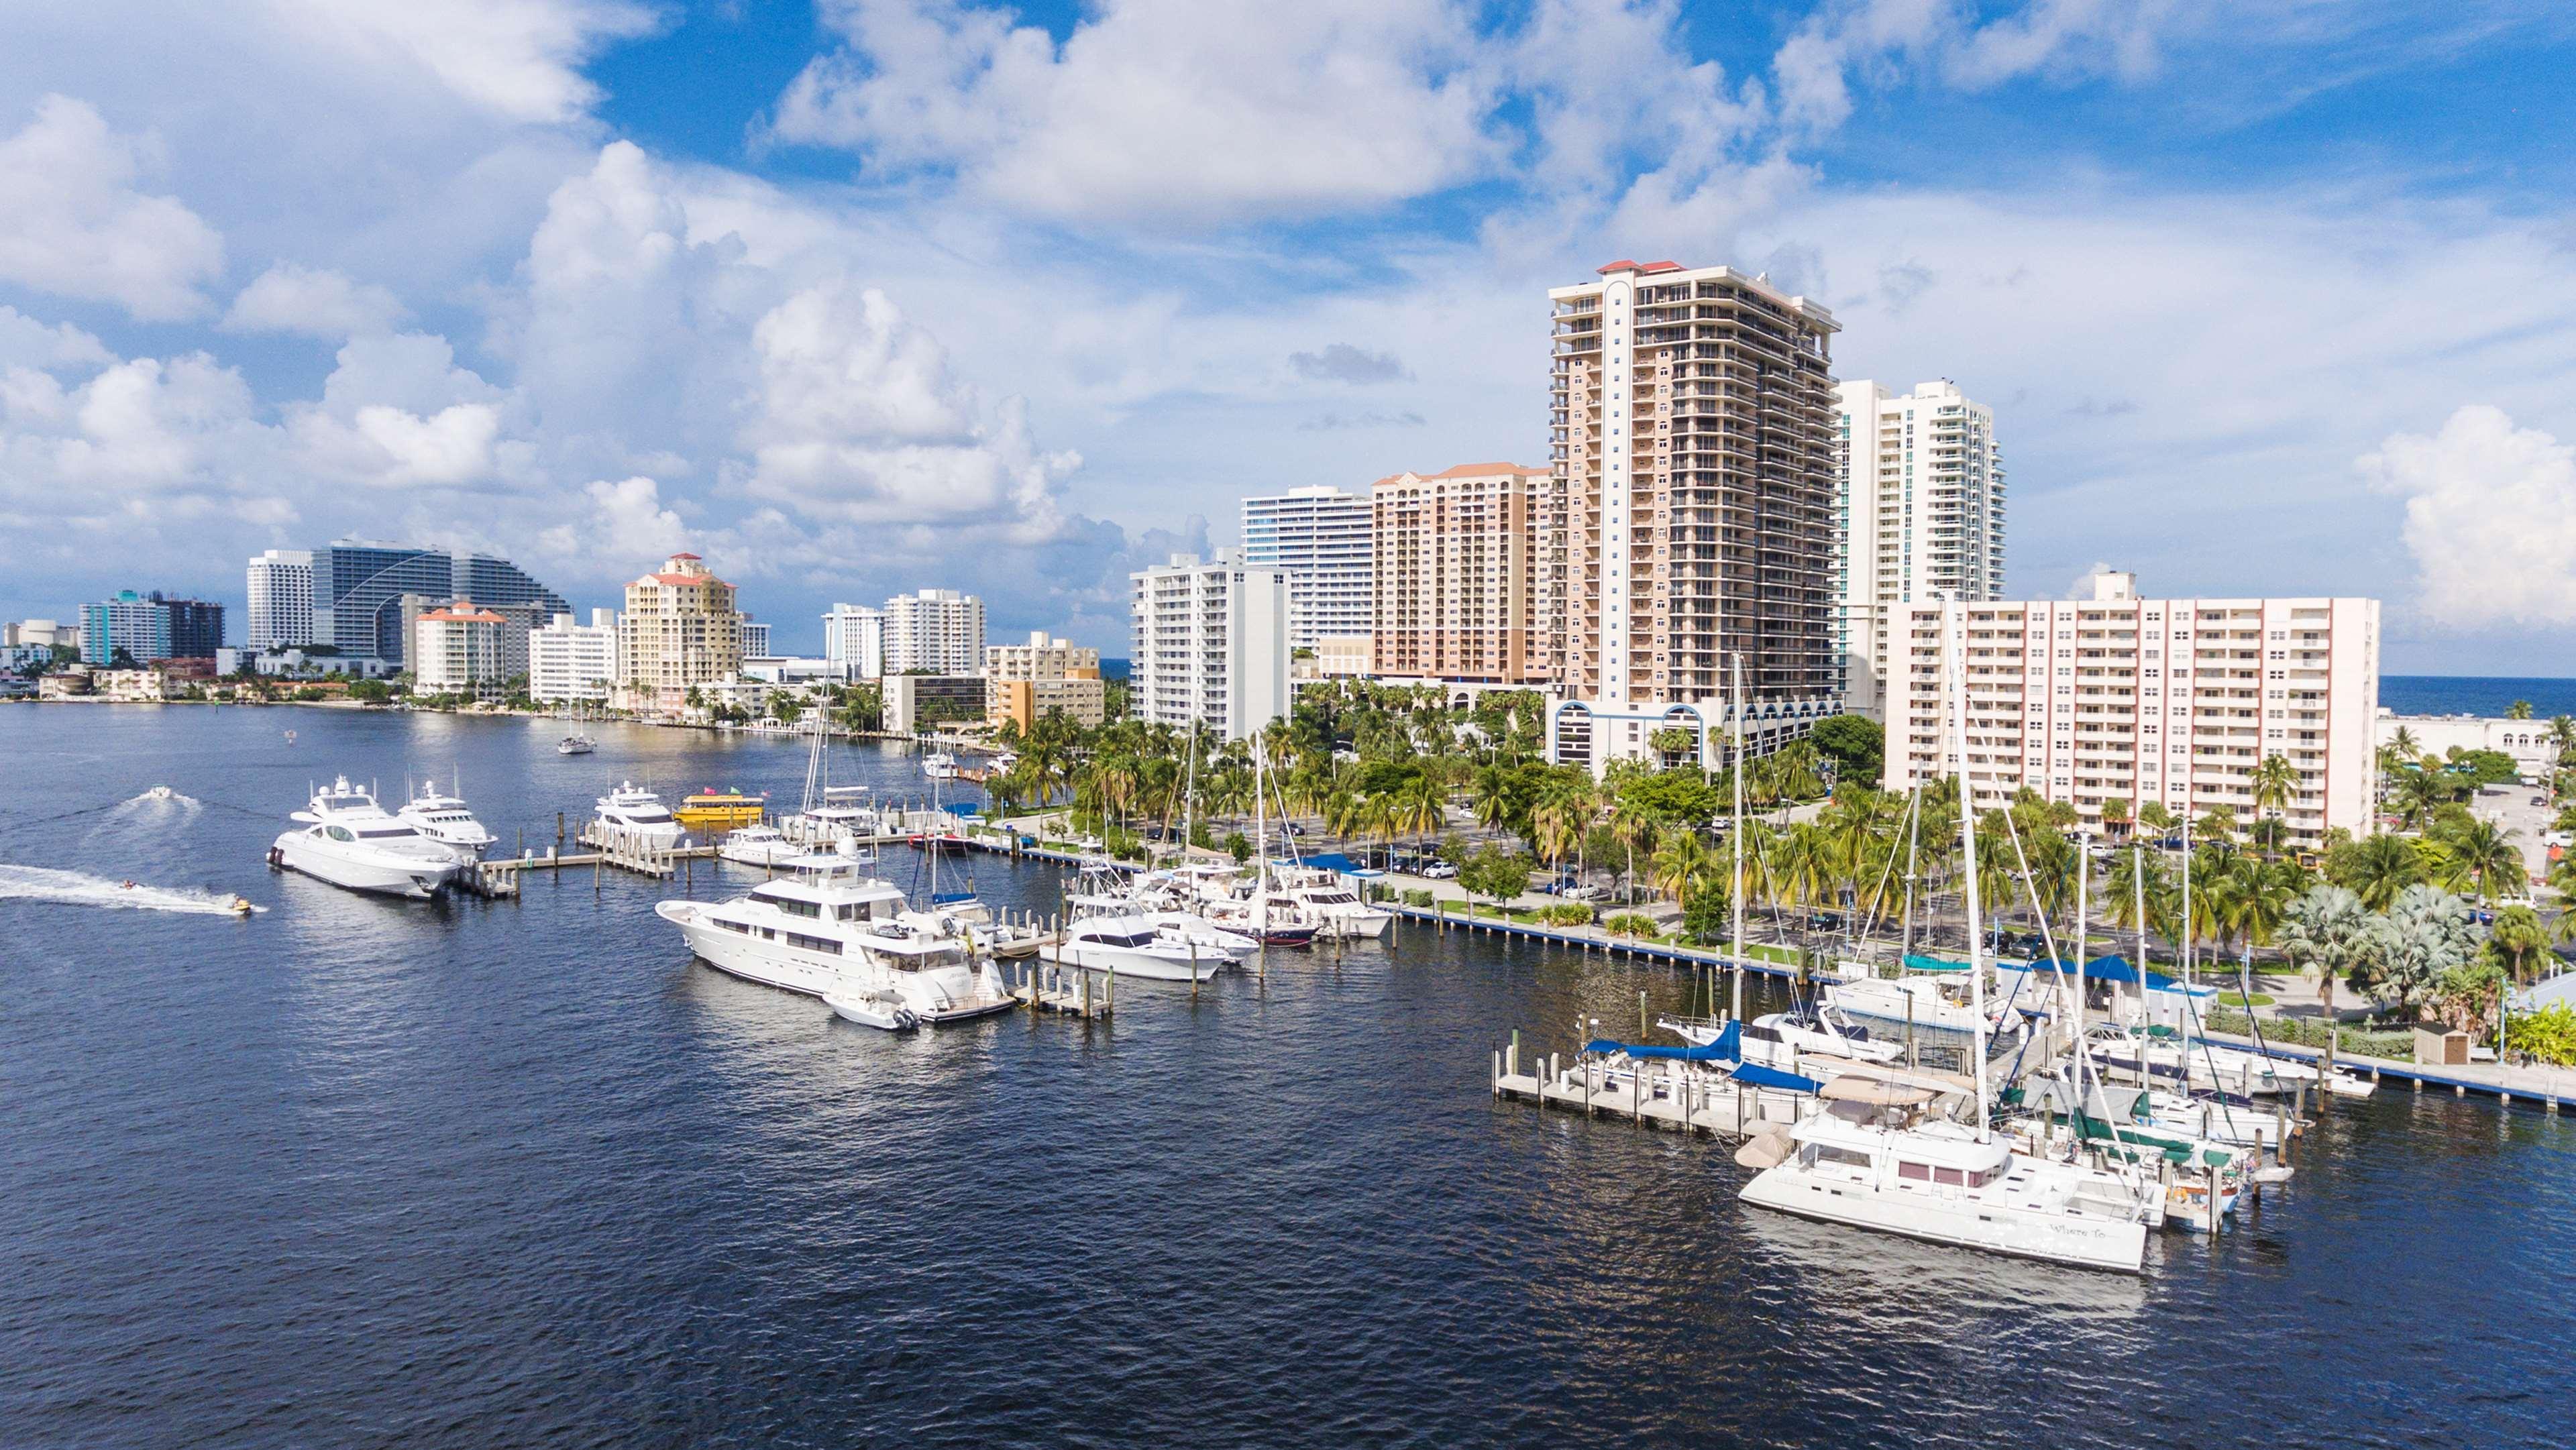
(160, 792)
(880, 1009)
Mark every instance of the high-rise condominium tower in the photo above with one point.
(1320, 538)
(1693, 434)
(281, 599)
(1921, 517)
(937, 630)
(1460, 559)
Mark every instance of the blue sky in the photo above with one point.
(2270, 296)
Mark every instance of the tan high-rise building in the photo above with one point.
(680, 629)
(1693, 439)
(2117, 698)
(1459, 564)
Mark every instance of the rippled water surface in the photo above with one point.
(355, 1172)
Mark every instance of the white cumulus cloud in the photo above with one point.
(2490, 519)
(858, 419)
(520, 59)
(73, 223)
(315, 301)
(1177, 109)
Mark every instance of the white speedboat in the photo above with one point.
(843, 937)
(2160, 1055)
(939, 766)
(345, 838)
(1864, 1165)
(1133, 946)
(577, 743)
(763, 846)
(446, 820)
(632, 812)
(882, 1008)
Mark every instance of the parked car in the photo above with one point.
(1587, 893)
(1440, 871)
(2540, 800)
(1292, 828)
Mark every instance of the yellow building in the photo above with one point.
(681, 629)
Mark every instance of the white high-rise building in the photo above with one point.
(854, 639)
(570, 662)
(1211, 644)
(281, 599)
(2129, 700)
(936, 630)
(1920, 517)
(1323, 540)
(755, 638)
(1692, 433)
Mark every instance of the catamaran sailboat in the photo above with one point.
(349, 841)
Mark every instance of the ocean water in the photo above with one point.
(2486, 695)
(355, 1172)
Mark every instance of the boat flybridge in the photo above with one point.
(850, 939)
(1101, 890)
(345, 838)
(636, 813)
(1333, 903)
(446, 820)
(1922, 1158)
(758, 846)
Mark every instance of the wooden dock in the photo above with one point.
(1651, 1094)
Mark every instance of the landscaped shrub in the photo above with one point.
(1566, 913)
(1630, 923)
(1413, 897)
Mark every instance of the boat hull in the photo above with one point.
(1961, 1223)
(416, 881)
(1139, 965)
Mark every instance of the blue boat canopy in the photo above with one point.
(1772, 1077)
(1728, 1047)
(1933, 964)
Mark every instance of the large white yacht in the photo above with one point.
(634, 812)
(446, 820)
(345, 838)
(844, 937)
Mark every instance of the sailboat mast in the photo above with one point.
(1913, 839)
(2138, 879)
(1735, 664)
(2083, 927)
(2187, 943)
(1968, 849)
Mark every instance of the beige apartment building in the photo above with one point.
(1457, 562)
(1693, 442)
(1024, 683)
(460, 649)
(2136, 700)
(680, 629)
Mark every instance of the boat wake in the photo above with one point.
(160, 795)
(75, 888)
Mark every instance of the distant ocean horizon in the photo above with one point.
(2483, 695)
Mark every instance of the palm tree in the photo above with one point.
(1422, 807)
(2275, 780)
(2431, 932)
(2482, 853)
(2417, 794)
(2380, 867)
(2115, 817)
(2562, 733)
(2516, 935)
(2329, 929)
(1683, 864)
(2518, 710)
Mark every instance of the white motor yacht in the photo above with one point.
(848, 939)
(634, 812)
(345, 838)
(446, 820)
(1133, 946)
(761, 845)
(939, 766)
(2160, 1055)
